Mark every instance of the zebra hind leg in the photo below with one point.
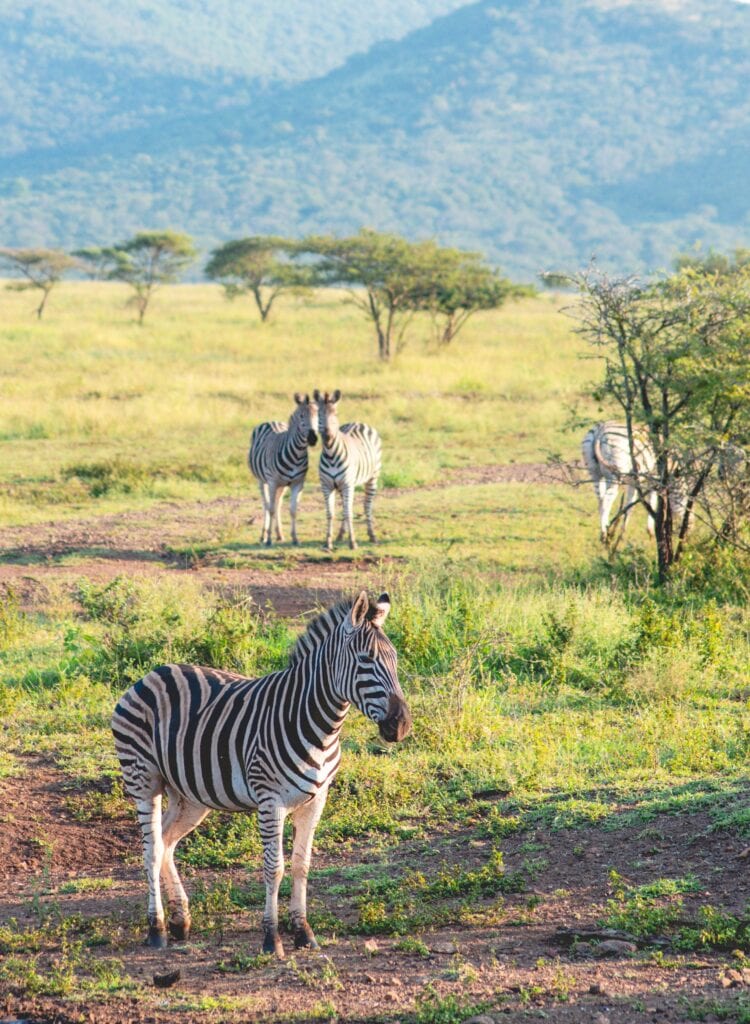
(148, 810)
(370, 490)
(181, 818)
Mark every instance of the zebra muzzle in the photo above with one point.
(312, 438)
(396, 725)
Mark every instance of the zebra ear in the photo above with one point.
(336, 396)
(359, 610)
(378, 612)
(299, 398)
(316, 395)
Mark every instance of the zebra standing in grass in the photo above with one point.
(606, 452)
(213, 740)
(351, 456)
(278, 459)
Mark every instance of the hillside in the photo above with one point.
(539, 133)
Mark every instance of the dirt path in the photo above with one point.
(511, 956)
(167, 539)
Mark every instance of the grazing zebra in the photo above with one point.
(606, 452)
(278, 459)
(214, 740)
(351, 456)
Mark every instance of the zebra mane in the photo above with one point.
(321, 627)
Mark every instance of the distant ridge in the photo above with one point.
(538, 132)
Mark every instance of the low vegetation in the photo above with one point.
(557, 694)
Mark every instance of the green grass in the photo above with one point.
(551, 689)
(99, 414)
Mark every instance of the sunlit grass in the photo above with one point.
(174, 401)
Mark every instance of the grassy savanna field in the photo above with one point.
(579, 752)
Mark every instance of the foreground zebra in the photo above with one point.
(210, 739)
(606, 452)
(351, 456)
(278, 459)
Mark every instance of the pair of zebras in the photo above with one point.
(351, 457)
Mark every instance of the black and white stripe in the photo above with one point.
(210, 739)
(351, 457)
(278, 459)
(611, 464)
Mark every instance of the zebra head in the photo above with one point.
(328, 417)
(305, 418)
(371, 675)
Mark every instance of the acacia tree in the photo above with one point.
(258, 266)
(459, 285)
(39, 268)
(146, 261)
(383, 273)
(674, 356)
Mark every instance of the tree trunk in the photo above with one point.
(43, 303)
(664, 539)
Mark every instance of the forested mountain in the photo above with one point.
(539, 132)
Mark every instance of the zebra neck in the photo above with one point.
(296, 441)
(337, 447)
(322, 709)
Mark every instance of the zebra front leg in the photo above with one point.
(277, 513)
(181, 818)
(330, 500)
(148, 810)
(371, 488)
(607, 491)
(306, 819)
(347, 500)
(295, 495)
(271, 820)
(265, 495)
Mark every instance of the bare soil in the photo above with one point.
(518, 966)
(168, 538)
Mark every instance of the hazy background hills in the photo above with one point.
(538, 132)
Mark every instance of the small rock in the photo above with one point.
(596, 989)
(601, 1018)
(370, 979)
(371, 947)
(167, 980)
(444, 947)
(614, 947)
(481, 1019)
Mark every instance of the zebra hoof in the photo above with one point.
(157, 938)
(304, 938)
(179, 931)
(272, 944)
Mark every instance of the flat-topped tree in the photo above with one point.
(259, 266)
(38, 268)
(382, 272)
(457, 285)
(146, 261)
